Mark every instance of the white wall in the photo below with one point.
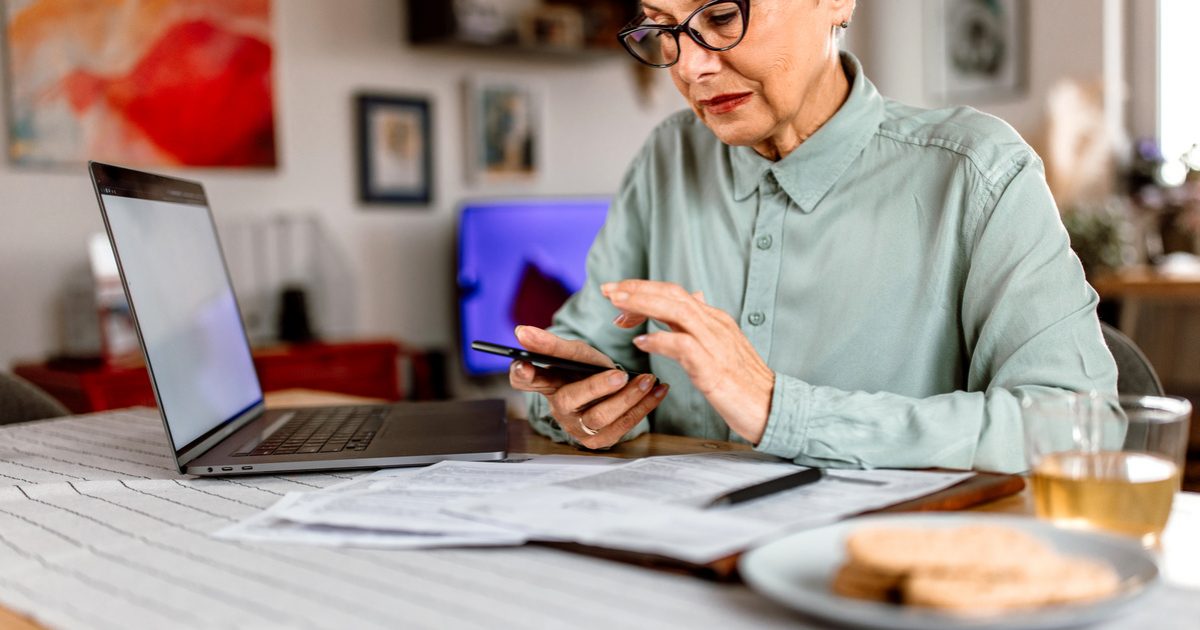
(402, 257)
(1142, 61)
(1066, 40)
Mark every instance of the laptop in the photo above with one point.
(198, 356)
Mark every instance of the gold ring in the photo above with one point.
(586, 429)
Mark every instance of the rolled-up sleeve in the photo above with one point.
(1029, 327)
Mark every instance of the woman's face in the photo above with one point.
(753, 92)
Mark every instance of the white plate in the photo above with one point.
(796, 571)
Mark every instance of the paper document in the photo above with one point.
(604, 519)
(686, 479)
(269, 526)
(413, 500)
(651, 505)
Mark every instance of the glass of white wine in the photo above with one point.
(1106, 462)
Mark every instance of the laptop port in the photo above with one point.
(227, 468)
(247, 468)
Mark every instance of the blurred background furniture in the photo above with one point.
(21, 401)
(1135, 375)
(370, 369)
(1134, 287)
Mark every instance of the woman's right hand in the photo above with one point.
(577, 405)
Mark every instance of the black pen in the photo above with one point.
(771, 486)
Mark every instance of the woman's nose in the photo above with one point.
(695, 61)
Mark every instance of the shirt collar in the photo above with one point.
(810, 171)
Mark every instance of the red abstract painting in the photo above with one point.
(141, 82)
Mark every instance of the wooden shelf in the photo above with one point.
(439, 24)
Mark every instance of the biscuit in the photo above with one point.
(1083, 580)
(966, 570)
(971, 549)
(976, 595)
(1058, 581)
(858, 582)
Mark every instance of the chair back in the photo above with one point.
(1135, 375)
(21, 401)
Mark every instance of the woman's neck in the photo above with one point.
(830, 92)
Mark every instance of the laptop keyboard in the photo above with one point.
(323, 430)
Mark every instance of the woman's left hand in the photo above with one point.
(707, 343)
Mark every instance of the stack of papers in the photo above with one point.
(403, 508)
(652, 505)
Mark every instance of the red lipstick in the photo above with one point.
(726, 103)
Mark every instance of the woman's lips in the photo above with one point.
(726, 103)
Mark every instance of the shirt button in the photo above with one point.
(756, 319)
(764, 242)
(770, 185)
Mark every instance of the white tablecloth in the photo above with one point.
(98, 531)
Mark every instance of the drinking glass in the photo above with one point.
(1106, 462)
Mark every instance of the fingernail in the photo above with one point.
(639, 340)
(517, 331)
(619, 319)
(644, 382)
(618, 379)
(607, 286)
(660, 391)
(620, 296)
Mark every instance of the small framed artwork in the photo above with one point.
(978, 51)
(503, 130)
(395, 149)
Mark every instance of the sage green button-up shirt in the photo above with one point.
(904, 272)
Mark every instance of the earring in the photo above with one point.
(845, 24)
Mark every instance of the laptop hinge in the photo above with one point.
(229, 429)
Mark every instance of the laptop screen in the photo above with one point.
(182, 299)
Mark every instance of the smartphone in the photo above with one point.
(545, 361)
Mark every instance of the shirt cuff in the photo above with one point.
(543, 423)
(788, 421)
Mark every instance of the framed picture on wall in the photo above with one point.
(395, 149)
(503, 130)
(978, 50)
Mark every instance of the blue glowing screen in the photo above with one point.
(518, 261)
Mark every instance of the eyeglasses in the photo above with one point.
(716, 26)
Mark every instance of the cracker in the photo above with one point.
(972, 549)
(979, 569)
(1058, 581)
(858, 582)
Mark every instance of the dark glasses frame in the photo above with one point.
(683, 27)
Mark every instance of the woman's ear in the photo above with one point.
(841, 11)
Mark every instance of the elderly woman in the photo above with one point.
(828, 275)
